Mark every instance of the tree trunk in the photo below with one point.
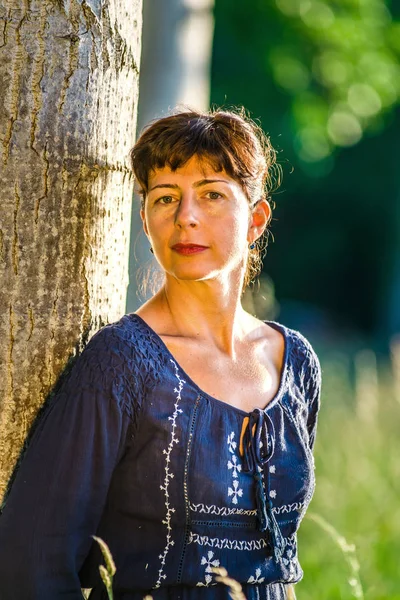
(68, 97)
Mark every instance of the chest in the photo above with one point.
(250, 381)
(198, 456)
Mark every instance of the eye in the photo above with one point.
(165, 200)
(214, 195)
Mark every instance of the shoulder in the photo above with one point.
(126, 347)
(302, 346)
(303, 358)
(120, 340)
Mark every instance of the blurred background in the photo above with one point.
(323, 80)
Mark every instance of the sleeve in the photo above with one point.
(59, 492)
(312, 385)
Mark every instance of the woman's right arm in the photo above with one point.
(59, 491)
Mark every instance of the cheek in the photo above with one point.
(155, 227)
(240, 225)
(235, 234)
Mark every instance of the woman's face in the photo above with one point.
(198, 221)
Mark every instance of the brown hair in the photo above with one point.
(227, 140)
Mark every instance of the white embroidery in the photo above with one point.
(272, 493)
(168, 476)
(291, 540)
(235, 492)
(288, 559)
(231, 444)
(286, 508)
(204, 540)
(209, 562)
(272, 469)
(256, 578)
(225, 511)
(235, 466)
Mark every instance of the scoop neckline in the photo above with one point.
(188, 379)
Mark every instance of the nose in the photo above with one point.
(187, 212)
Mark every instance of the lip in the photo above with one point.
(188, 249)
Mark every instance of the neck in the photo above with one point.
(208, 310)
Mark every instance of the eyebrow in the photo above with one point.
(197, 184)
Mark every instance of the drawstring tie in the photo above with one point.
(257, 448)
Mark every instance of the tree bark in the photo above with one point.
(68, 97)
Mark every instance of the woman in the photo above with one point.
(183, 436)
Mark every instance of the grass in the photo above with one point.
(349, 541)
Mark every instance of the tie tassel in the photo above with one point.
(266, 519)
(261, 508)
(257, 446)
(276, 535)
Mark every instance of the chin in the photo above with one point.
(192, 273)
(192, 276)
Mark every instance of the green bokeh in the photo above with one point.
(324, 82)
(358, 488)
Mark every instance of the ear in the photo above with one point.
(143, 217)
(259, 219)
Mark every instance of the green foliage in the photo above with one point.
(336, 224)
(339, 61)
(348, 551)
(357, 493)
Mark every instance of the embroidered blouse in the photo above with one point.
(175, 481)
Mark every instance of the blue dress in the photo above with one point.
(174, 480)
